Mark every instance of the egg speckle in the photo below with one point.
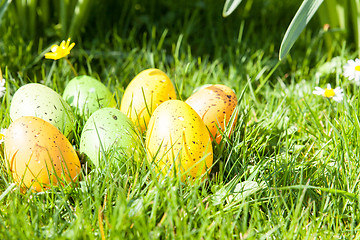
(177, 140)
(144, 94)
(39, 155)
(215, 104)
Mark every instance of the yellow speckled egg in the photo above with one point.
(144, 94)
(39, 155)
(215, 104)
(177, 140)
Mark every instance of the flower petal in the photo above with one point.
(71, 47)
(62, 44)
(54, 48)
(51, 55)
(67, 43)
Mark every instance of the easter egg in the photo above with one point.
(38, 100)
(144, 94)
(109, 131)
(215, 104)
(177, 140)
(88, 95)
(39, 155)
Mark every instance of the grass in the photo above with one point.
(289, 171)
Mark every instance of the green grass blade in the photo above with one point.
(80, 16)
(3, 8)
(6, 192)
(299, 22)
(230, 6)
(334, 191)
(355, 17)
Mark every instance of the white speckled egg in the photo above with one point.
(177, 140)
(88, 95)
(38, 100)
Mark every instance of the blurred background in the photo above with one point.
(107, 31)
(36, 24)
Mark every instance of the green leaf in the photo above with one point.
(230, 6)
(3, 8)
(299, 22)
(245, 189)
(135, 206)
(237, 192)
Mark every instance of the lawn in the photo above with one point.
(288, 171)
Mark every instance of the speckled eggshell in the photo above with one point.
(144, 94)
(88, 95)
(38, 100)
(39, 155)
(177, 140)
(215, 104)
(106, 130)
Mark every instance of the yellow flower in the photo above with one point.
(61, 51)
(2, 135)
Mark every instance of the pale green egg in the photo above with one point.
(88, 95)
(109, 132)
(40, 101)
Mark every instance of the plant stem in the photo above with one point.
(50, 72)
(71, 66)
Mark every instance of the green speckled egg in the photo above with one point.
(177, 140)
(88, 95)
(108, 131)
(38, 100)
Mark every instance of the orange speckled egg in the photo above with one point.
(177, 140)
(39, 155)
(144, 94)
(215, 104)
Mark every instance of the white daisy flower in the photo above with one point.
(352, 70)
(2, 135)
(2, 87)
(336, 94)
